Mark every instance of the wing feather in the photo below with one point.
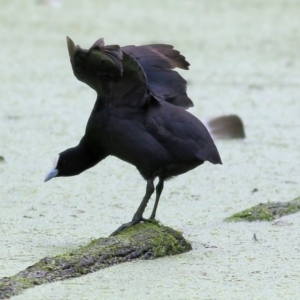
(158, 62)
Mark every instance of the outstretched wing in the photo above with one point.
(125, 76)
(158, 62)
(131, 90)
(117, 77)
(90, 66)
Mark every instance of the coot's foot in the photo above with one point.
(131, 223)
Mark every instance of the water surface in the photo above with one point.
(245, 59)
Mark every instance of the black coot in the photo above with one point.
(139, 116)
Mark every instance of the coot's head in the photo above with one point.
(69, 163)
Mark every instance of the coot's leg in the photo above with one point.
(138, 216)
(159, 189)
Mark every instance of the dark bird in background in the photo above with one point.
(225, 127)
(139, 116)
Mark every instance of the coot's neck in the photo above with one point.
(89, 157)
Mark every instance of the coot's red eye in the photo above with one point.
(62, 163)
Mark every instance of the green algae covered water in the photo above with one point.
(245, 59)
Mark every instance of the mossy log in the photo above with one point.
(267, 211)
(142, 241)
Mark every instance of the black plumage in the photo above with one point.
(139, 116)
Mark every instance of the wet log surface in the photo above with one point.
(141, 242)
(267, 211)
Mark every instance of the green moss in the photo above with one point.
(267, 211)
